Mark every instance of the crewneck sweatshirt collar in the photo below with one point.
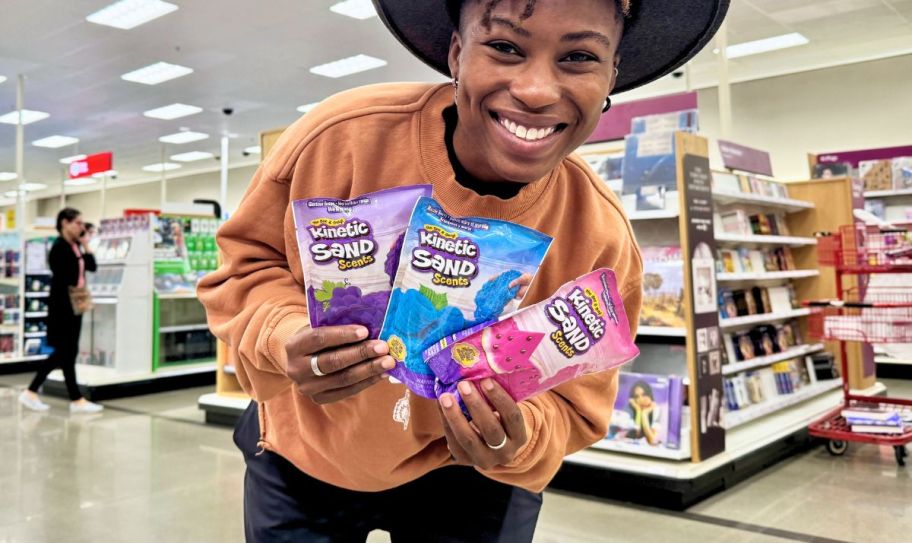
(455, 198)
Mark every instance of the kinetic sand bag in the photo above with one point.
(454, 273)
(350, 251)
(581, 329)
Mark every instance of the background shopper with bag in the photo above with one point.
(69, 260)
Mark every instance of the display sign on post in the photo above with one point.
(92, 164)
(745, 159)
(704, 341)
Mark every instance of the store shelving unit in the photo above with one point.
(118, 336)
(756, 434)
(887, 193)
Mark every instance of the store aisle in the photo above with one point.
(148, 469)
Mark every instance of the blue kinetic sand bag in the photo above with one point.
(349, 250)
(454, 273)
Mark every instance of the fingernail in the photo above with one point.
(381, 348)
(487, 385)
(361, 332)
(388, 363)
(465, 388)
(446, 401)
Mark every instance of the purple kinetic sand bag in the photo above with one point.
(349, 250)
(581, 329)
(455, 272)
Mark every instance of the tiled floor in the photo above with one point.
(148, 469)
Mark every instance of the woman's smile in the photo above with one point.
(525, 137)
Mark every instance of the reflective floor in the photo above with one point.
(148, 469)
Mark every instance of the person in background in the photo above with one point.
(69, 260)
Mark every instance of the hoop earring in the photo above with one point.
(607, 105)
(455, 89)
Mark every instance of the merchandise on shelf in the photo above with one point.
(877, 174)
(763, 340)
(648, 411)
(663, 287)
(832, 169)
(762, 385)
(185, 251)
(756, 301)
(728, 182)
(754, 260)
(902, 173)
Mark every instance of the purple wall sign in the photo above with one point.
(854, 157)
(745, 159)
(615, 124)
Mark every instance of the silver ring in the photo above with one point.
(315, 367)
(498, 447)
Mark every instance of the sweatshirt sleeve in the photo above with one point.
(575, 415)
(253, 301)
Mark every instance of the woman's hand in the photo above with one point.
(348, 363)
(523, 282)
(494, 436)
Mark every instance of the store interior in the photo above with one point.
(773, 212)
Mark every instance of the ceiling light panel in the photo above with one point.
(70, 159)
(109, 173)
(255, 150)
(29, 187)
(356, 9)
(127, 14)
(192, 156)
(55, 142)
(173, 111)
(159, 72)
(28, 117)
(2, 79)
(179, 138)
(11, 193)
(163, 167)
(7, 176)
(348, 66)
(766, 45)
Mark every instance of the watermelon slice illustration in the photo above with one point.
(509, 349)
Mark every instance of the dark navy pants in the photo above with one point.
(452, 504)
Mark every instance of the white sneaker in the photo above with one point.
(85, 408)
(32, 402)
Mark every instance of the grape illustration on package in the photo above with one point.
(454, 273)
(579, 330)
(349, 250)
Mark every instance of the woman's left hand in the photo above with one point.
(494, 436)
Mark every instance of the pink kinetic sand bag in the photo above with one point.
(581, 329)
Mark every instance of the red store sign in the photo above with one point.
(92, 164)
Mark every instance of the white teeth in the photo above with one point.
(528, 134)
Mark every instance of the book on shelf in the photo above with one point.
(648, 411)
(761, 385)
(736, 222)
(726, 182)
(687, 120)
(876, 174)
(902, 173)
(663, 287)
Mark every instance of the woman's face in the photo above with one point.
(73, 229)
(641, 398)
(531, 90)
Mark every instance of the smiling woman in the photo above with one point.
(332, 449)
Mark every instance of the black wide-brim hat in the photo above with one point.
(659, 37)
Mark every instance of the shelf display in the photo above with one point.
(648, 412)
(184, 251)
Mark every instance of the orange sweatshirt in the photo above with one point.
(361, 141)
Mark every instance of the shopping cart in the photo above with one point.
(868, 314)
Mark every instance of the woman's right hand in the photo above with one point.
(349, 363)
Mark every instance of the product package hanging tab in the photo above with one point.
(350, 251)
(454, 273)
(581, 329)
